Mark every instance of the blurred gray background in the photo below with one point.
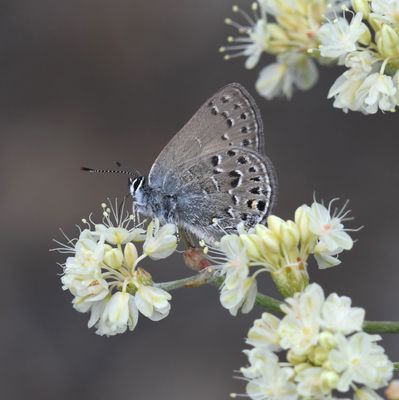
(88, 82)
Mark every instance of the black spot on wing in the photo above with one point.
(235, 182)
(231, 153)
(261, 205)
(215, 160)
(255, 190)
(235, 174)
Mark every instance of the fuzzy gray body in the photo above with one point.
(213, 174)
(154, 203)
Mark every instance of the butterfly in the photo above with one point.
(213, 174)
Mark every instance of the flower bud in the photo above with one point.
(130, 253)
(301, 367)
(260, 229)
(329, 380)
(375, 22)
(327, 340)
(107, 247)
(289, 235)
(327, 365)
(295, 358)
(365, 37)
(388, 42)
(252, 245)
(114, 258)
(274, 224)
(362, 6)
(302, 221)
(274, 259)
(270, 242)
(319, 355)
(276, 32)
(277, 41)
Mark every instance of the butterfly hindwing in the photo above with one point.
(224, 189)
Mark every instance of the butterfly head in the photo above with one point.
(150, 202)
(135, 185)
(137, 189)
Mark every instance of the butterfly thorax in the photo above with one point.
(152, 202)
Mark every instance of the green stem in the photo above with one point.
(381, 326)
(396, 366)
(268, 303)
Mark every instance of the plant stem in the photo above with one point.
(270, 304)
(381, 326)
(200, 279)
(396, 366)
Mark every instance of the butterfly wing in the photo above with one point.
(230, 118)
(216, 169)
(214, 199)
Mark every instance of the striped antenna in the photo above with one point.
(111, 171)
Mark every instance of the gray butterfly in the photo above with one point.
(213, 174)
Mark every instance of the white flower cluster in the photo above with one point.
(300, 32)
(102, 272)
(325, 351)
(369, 47)
(287, 30)
(282, 249)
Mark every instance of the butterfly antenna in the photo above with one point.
(111, 171)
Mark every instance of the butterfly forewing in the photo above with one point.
(230, 118)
